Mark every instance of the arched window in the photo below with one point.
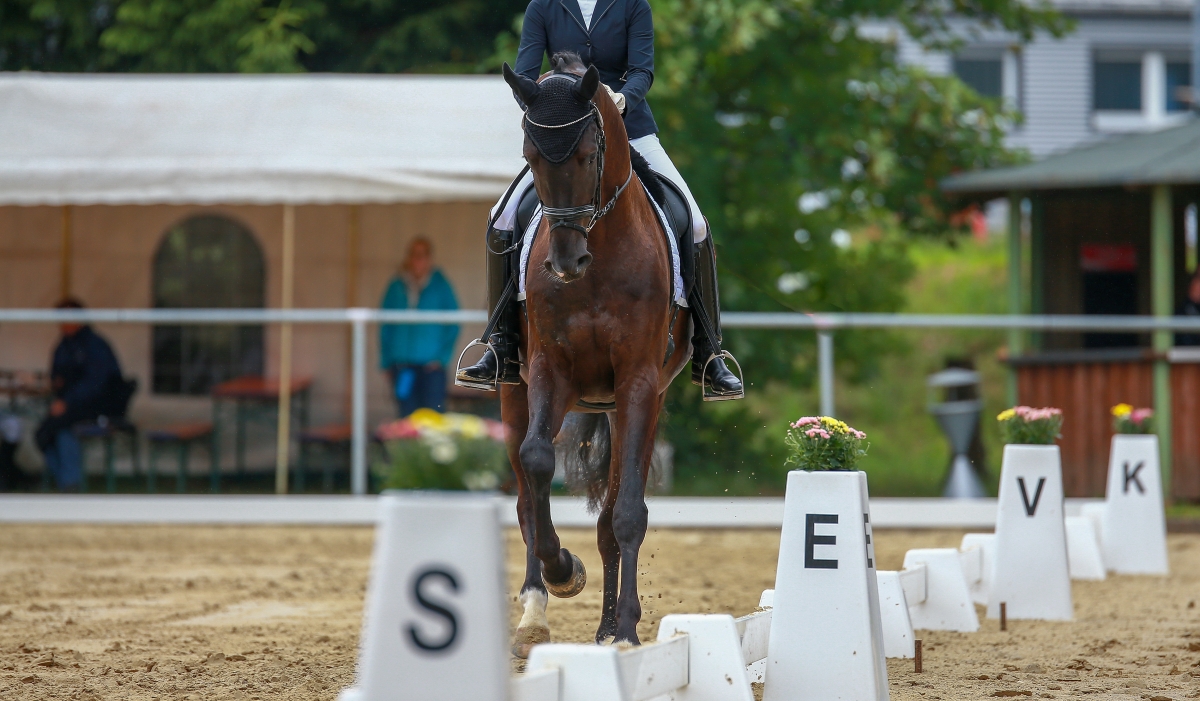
(207, 262)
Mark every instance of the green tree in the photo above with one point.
(52, 35)
(353, 36)
(192, 36)
(815, 155)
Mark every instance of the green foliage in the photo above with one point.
(823, 443)
(206, 36)
(816, 157)
(1026, 425)
(52, 35)
(252, 36)
(441, 462)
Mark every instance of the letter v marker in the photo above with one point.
(1031, 509)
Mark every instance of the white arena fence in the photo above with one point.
(359, 318)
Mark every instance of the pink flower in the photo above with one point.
(817, 433)
(859, 434)
(1140, 415)
(496, 430)
(399, 429)
(806, 421)
(1031, 414)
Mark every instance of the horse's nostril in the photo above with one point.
(584, 261)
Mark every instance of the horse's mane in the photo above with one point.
(567, 62)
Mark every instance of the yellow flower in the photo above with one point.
(428, 420)
(1122, 410)
(1006, 415)
(833, 424)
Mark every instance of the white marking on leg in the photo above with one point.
(534, 616)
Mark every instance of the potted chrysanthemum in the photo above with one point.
(1030, 519)
(1029, 435)
(824, 443)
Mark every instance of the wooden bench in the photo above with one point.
(106, 431)
(331, 439)
(182, 436)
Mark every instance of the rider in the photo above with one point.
(617, 37)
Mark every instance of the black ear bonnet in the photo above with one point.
(558, 117)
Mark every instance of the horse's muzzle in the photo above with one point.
(569, 269)
(568, 256)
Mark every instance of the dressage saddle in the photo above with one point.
(670, 200)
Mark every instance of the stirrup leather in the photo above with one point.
(707, 393)
(461, 381)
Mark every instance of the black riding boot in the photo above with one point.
(716, 381)
(504, 365)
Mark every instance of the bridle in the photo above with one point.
(566, 216)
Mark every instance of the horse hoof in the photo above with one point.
(574, 583)
(526, 638)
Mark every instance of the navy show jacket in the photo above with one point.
(619, 43)
(86, 375)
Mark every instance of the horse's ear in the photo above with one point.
(526, 89)
(586, 89)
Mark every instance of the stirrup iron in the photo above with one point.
(472, 384)
(706, 391)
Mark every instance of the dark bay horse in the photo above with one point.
(596, 334)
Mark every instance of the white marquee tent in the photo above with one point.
(72, 139)
(68, 139)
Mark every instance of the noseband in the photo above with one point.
(566, 216)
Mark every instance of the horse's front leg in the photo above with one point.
(549, 400)
(610, 550)
(534, 628)
(638, 405)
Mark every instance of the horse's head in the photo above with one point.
(564, 145)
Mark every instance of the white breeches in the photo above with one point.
(660, 162)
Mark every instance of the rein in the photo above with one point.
(565, 216)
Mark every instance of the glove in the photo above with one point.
(617, 98)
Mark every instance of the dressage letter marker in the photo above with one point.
(1030, 569)
(826, 637)
(1134, 532)
(436, 623)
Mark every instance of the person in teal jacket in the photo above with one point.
(416, 356)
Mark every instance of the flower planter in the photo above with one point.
(1030, 572)
(1133, 530)
(826, 632)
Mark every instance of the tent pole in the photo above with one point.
(285, 353)
(65, 253)
(1162, 266)
(1015, 336)
(352, 264)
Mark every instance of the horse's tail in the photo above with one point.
(584, 449)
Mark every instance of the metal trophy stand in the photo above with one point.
(959, 419)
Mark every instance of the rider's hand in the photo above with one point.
(617, 98)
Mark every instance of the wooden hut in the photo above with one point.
(1106, 229)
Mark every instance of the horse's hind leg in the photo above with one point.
(534, 628)
(638, 405)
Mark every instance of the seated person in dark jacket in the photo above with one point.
(87, 384)
(1190, 307)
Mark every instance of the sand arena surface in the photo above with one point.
(273, 613)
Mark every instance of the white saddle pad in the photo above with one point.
(676, 276)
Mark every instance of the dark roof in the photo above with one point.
(1168, 157)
